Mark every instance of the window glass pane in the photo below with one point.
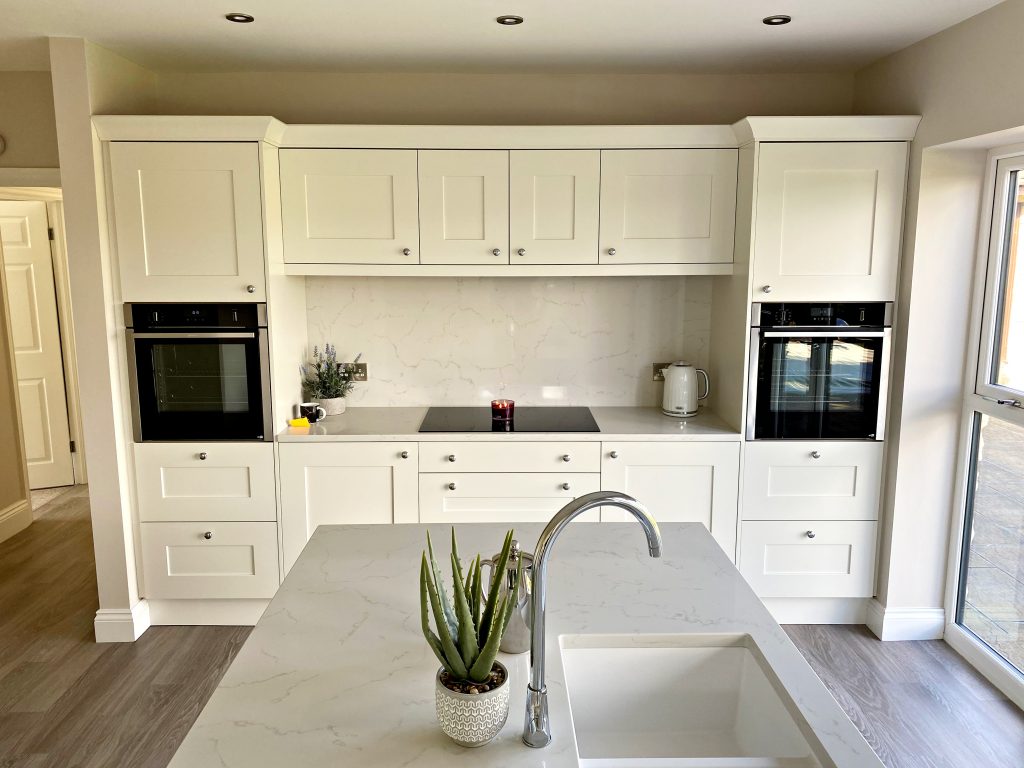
(991, 602)
(1008, 355)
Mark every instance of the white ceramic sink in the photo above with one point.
(680, 701)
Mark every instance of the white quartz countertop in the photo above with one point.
(337, 673)
(615, 423)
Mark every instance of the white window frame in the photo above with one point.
(984, 398)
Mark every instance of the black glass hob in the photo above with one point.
(527, 419)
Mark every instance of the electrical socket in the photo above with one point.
(658, 367)
(359, 372)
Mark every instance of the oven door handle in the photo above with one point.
(825, 334)
(250, 335)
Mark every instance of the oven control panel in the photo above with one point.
(197, 316)
(822, 314)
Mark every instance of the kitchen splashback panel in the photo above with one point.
(539, 341)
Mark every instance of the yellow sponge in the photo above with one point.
(303, 422)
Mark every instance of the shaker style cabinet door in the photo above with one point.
(463, 206)
(828, 221)
(502, 497)
(350, 206)
(668, 206)
(188, 220)
(343, 483)
(554, 206)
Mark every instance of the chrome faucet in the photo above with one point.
(537, 730)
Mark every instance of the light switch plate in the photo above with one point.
(359, 372)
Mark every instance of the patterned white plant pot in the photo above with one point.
(471, 719)
(334, 406)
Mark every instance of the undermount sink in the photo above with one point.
(680, 701)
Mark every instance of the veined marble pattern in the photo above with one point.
(539, 341)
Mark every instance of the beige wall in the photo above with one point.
(965, 81)
(304, 97)
(26, 120)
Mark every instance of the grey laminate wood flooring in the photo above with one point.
(66, 702)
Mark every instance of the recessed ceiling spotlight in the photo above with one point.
(509, 20)
(777, 20)
(240, 18)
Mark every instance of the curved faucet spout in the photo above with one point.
(537, 729)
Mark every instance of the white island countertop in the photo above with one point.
(337, 673)
(615, 423)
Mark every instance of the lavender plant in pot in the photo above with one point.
(471, 688)
(326, 380)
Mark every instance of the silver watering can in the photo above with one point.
(517, 635)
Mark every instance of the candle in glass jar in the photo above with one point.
(502, 410)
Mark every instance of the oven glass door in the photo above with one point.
(194, 386)
(818, 385)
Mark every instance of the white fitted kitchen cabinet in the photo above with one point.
(812, 480)
(463, 206)
(211, 481)
(498, 456)
(828, 221)
(342, 483)
(188, 222)
(678, 483)
(209, 560)
(554, 206)
(486, 497)
(350, 206)
(667, 206)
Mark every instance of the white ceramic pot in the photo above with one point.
(471, 719)
(332, 405)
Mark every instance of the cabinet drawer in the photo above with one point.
(803, 558)
(784, 480)
(205, 481)
(238, 560)
(510, 457)
(495, 498)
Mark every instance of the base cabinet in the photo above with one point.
(344, 483)
(487, 497)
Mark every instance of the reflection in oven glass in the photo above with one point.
(200, 378)
(827, 376)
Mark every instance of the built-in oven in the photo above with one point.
(199, 371)
(818, 371)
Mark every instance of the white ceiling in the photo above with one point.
(461, 35)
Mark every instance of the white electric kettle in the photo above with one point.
(680, 398)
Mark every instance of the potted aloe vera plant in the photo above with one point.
(471, 687)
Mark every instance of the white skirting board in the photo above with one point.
(121, 625)
(230, 613)
(905, 623)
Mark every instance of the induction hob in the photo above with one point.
(527, 419)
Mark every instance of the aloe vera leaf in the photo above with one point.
(514, 601)
(446, 605)
(481, 668)
(432, 639)
(467, 632)
(476, 594)
(492, 595)
(457, 563)
(450, 651)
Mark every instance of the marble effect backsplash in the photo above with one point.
(539, 341)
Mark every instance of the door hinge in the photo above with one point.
(72, 446)
(49, 233)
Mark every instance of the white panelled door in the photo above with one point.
(36, 332)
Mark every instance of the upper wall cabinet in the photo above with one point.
(668, 206)
(463, 206)
(188, 222)
(350, 206)
(828, 221)
(553, 206)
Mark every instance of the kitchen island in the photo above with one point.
(336, 672)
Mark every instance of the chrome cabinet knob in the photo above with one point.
(208, 535)
(451, 486)
(250, 288)
(521, 252)
(451, 457)
(766, 289)
(613, 455)
(811, 534)
(496, 251)
(565, 486)
(202, 456)
(404, 454)
(611, 251)
(407, 252)
(567, 458)
(815, 455)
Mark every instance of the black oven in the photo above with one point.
(199, 371)
(818, 371)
